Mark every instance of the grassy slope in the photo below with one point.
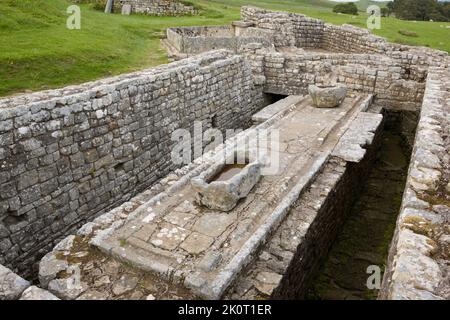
(37, 51)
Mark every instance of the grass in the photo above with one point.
(38, 52)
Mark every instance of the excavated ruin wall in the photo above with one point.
(330, 217)
(417, 266)
(193, 40)
(157, 7)
(366, 63)
(289, 29)
(68, 155)
(291, 73)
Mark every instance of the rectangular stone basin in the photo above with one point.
(223, 185)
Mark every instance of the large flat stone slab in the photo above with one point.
(277, 107)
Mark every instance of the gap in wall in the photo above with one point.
(270, 98)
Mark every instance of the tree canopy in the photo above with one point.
(423, 10)
(347, 8)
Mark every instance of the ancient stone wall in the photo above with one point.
(68, 155)
(158, 7)
(418, 259)
(193, 40)
(289, 29)
(290, 73)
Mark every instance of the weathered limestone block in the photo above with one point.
(417, 271)
(352, 145)
(35, 293)
(328, 97)
(126, 9)
(266, 282)
(11, 285)
(52, 263)
(67, 288)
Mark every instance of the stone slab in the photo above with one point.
(126, 9)
(277, 107)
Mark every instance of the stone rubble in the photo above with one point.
(35, 293)
(11, 285)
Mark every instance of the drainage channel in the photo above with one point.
(362, 245)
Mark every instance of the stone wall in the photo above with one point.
(290, 73)
(193, 40)
(348, 38)
(289, 29)
(158, 7)
(418, 260)
(365, 62)
(68, 155)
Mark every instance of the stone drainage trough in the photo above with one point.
(204, 250)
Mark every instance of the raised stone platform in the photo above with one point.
(205, 249)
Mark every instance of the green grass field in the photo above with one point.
(38, 52)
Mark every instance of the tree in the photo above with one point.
(423, 10)
(385, 12)
(347, 8)
(445, 10)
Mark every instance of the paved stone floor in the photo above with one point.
(366, 235)
(183, 242)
